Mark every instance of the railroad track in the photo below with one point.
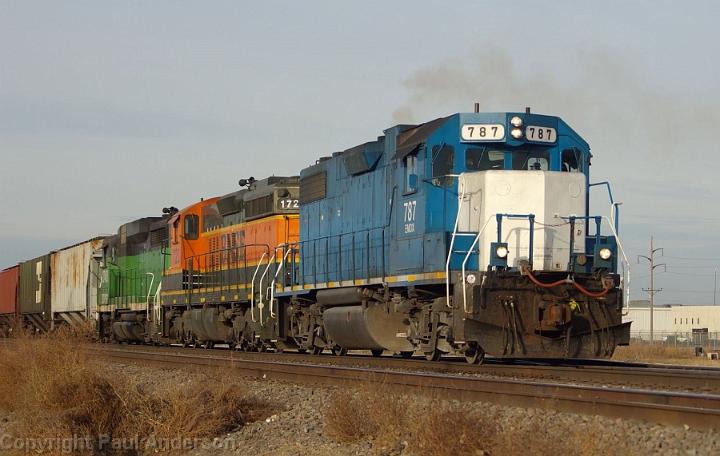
(668, 377)
(667, 407)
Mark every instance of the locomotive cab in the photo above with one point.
(525, 251)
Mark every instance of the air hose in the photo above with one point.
(582, 289)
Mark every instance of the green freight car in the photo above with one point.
(34, 294)
(132, 268)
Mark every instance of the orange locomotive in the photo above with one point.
(225, 255)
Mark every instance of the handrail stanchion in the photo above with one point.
(452, 245)
(272, 286)
(340, 275)
(626, 287)
(353, 258)
(571, 261)
(467, 256)
(531, 251)
(261, 304)
(382, 234)
(315, 261)
(252, 287)
(327, 260)
(367, 254)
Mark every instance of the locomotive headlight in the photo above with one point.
(516, 133)
(605, 253)
(501, 251)
(516, 122)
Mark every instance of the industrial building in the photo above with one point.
(673, 321)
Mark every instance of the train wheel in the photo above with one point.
(302, 351)
(339, 351)
(433, 355)
(317, 350)
(474, 355)
(377, 352)
(407, 354)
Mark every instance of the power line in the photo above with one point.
(675, 290)
(687, 274)
(693, 259)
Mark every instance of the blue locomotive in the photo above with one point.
(466, 235)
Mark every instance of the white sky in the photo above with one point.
(111, 110)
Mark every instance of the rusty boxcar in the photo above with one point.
(74, 281)
(8, 297)
(34, 293)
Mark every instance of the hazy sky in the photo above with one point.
(111, 110)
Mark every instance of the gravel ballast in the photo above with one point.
(291, 422)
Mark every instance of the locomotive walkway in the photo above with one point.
(697, 410)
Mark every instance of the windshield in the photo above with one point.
(484, 159)
(534, 159)
(528, 158)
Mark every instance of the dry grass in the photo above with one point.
(53, 389)
(352, 415)
(659, 353)
(423, 426)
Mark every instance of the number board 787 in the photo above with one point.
(482, 132)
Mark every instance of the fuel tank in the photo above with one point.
(368, 327)
(128, 331)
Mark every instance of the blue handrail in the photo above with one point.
(531, 220)
(616, 210)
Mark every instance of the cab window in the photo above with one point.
(212, 219)
(191, 227)
(442, 160)
(531, 160)
(484, 159)
(411, 169)
(572, 160)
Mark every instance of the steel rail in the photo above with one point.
(665, 407)
(685, 378)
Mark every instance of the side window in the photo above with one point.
(443, 158)
(192, 225)
(482, 159)
(410, 164)
(572, 161)
(175, 229)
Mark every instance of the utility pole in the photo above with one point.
(715, 287)
(652, 291)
